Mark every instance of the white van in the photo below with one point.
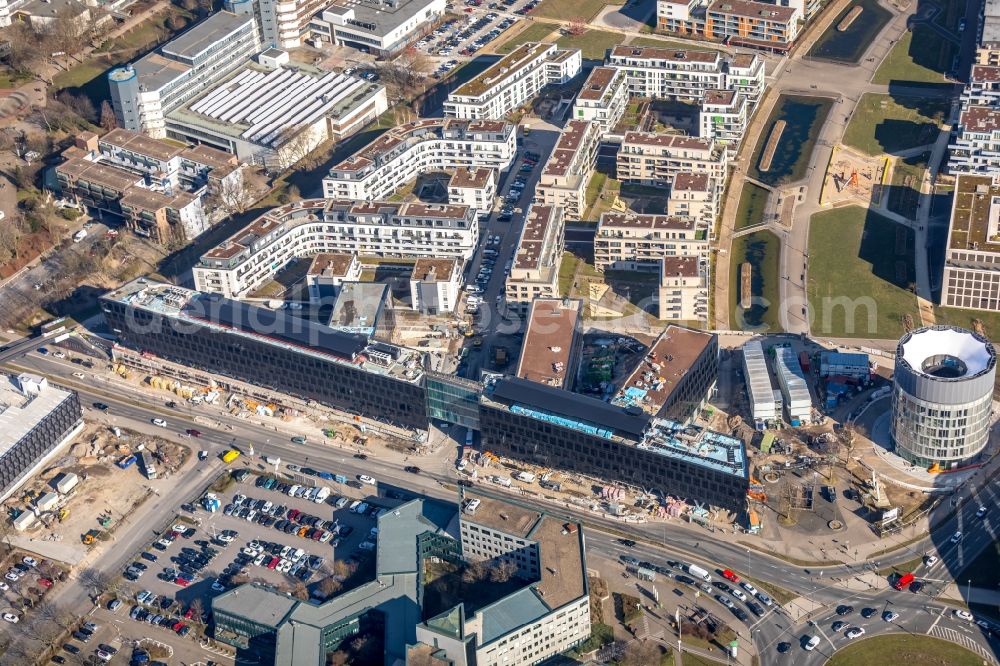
(294, 489)
(698, 572)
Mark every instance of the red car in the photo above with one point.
(273, 563)
(45, 582)
(729, 575)
(188, 614)
(294, 514)
(193, 432)
(178, 626)
(183, 582)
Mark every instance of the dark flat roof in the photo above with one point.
(573, 405)
(275, 324)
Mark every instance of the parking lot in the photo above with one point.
(464, 37)
(260, 532)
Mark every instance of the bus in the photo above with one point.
(230, 455)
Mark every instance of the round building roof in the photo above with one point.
(946, 352)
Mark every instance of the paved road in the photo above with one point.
(822, 587)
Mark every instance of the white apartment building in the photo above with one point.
(476, 188)
(512, 81)
(142, 93)
(683, 291)
(695, 196)
(746, 75)
(328, 271)
(983, 87)
(666, 73)
(633, 241)
(285, 23)
(4, 14)
(655, 159)
(253, 255)
(564, 178)
(723, 118)
(404, 152)
(435, 285)
(382, 28)
(603, 98)
(976, 148)
(535, 268)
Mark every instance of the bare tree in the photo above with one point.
(96, 581)
(27, 51)
(502, 571)
(67, 30)
(108, 119)
(232, 196)
(295, 142)
(329, 586)
(197, 609)
(52, 612)
(300, 591)
(43, 631)
(576, 27)
(11, 235)
(81, 105)
(641, 653)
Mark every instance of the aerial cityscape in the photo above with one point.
(499, 332)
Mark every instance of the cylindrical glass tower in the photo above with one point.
(942, 396)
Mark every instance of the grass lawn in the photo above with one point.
(904, 192)
(904, 567)
(571, 9)
(763, 250)
(535, 32)
(752, 203)
(593, 43)
(9, 79)
(860, 263)
(970, 319)
(601, 204)
(888, 123)
(82, 74)
(667, 43)
(566, 270)
(691, 659)
(922, 56)
(901, 649)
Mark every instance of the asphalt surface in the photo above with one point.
(656, 542)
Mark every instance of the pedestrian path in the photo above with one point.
(963, 639)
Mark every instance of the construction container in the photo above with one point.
(67, 482)
(47, 501)
(24, 521)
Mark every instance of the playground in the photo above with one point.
(853, 178)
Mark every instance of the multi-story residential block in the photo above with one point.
(329, 271)
(274, 113)
(976, 146)
(564, 178)
(534, 272)
(632, 241)
(553, 343)
(695, 196)
(683, 290)
(36, 420)
(747, 23)
(435, 285)
(988, 46)
(983, 87)
(142, 93)
(383, 28)
(158, 188)
(723, 118)
(254, 254)
(476, 188)
(656, 159)
(515, 79)
(666, 73)
(972, 256)
(603, 98)
(405, 152)
(746, 75)
(284, 24)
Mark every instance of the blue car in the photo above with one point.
(325, 475)
(43, 351)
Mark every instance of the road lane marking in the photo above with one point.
(938, 619)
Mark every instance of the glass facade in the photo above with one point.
(926, 433)
(453, 399)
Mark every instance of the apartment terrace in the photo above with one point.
(537, 239)
(506, 68)
(658, 56)
(612, 221)
(698, 446)
(572, 140)
(547, 350)
(598, 84)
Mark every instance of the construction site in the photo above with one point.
(854, 178)
(80, 499)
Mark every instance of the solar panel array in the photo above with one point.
(271, 102)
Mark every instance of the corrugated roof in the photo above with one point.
(510, 613)
(758, 378)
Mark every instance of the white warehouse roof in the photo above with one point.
(270, 102)
(757, 377)
(793, 383)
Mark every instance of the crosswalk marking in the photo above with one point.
(964, 640)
